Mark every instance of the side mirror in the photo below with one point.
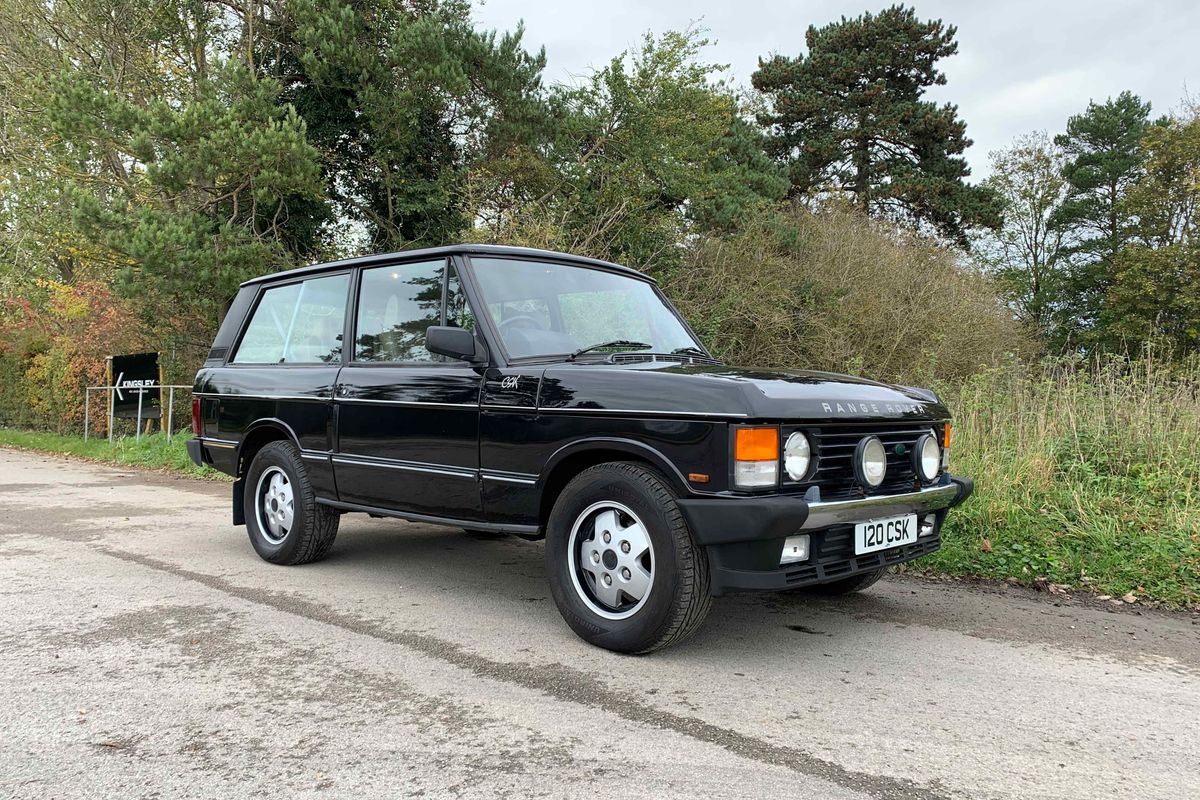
(457, 343)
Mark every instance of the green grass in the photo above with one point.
(152, 452)
(1086, 478)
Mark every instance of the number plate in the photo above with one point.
(882, 534)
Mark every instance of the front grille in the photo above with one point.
(835, 444)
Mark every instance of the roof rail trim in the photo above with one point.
(447, 250)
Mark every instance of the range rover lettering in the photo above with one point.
(552, 396)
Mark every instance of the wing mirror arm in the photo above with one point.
(456, 343)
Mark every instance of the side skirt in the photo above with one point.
(526, 531)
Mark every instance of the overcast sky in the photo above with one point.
(1022, 65)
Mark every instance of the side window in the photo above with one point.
(395, 306)
(300, 323)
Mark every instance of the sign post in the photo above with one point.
(136, 381)
(108, 372)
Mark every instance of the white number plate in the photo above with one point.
(881, 534)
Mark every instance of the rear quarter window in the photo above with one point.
(300, 323)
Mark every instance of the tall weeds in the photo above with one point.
(1085, 474)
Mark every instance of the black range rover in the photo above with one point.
(547, 395)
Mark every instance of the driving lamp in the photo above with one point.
(870, 462)
(756, 457)
(797, 456)
(927, 457)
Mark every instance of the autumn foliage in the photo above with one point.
(53, 343)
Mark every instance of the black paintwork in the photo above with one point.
(489, 444)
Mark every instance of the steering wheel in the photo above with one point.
(525, 320)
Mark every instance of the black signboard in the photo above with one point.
(135, 375)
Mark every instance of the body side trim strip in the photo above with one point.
(371, 401)
(408, 466)
(232, 396)
(643, 411)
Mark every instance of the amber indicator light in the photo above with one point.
(757, 444)
(697, 477)
(946, 438)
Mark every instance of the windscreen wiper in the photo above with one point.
(614, 343)
(691, 351)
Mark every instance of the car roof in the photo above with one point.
(454, 249)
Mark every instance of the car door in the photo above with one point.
(283, 369)
(408, 420)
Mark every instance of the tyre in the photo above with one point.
(285, 523)
(855, 583)
(623, 568)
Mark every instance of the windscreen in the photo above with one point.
(544, 309)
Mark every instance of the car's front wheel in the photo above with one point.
(623, 568)
(285, 523)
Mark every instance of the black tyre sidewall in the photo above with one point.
(648, 626)
(284, 456)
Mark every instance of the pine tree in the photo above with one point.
(1104, 156)
(404, 100)
(850, 116)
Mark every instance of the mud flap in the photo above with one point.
(239, 502)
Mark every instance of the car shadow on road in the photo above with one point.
(505, 574)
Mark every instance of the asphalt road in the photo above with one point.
(145, 651)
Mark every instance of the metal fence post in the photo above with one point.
(87, 407)
(170, 410)
(138, 437)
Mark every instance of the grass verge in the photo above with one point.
(1089, 478)
(152, 452)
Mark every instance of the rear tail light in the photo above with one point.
(196, 415)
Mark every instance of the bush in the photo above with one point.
(833, 290)
(53, 343)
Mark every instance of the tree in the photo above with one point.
(648, 151)
(166, 164)
(1026, 254)
(1103, 151)
(1154, 292)
(849, 116)
(404, 100)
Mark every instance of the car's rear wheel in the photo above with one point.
(623, 568)
(283, 519)
(855, 583)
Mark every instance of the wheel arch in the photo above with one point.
(569, 460)
(261, 433)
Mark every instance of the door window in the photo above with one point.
(395, 306)
(300, 323)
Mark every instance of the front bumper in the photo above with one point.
(744, 536)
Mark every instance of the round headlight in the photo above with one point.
(797, 456)
(927, 457)
(870, 461)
